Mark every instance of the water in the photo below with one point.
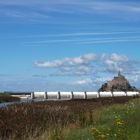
(29, 100)
(3, 105)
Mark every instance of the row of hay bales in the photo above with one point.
(79, 95)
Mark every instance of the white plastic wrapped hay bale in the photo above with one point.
(32, 95)
(117, 93)
(39, 94)
(79, 95)
(66, 95)
(105, 94)
(52, 95)
(132, 93)
(92, 95)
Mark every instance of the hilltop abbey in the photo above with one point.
(119, 83)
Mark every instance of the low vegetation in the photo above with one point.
(108, 118)
(4, 97)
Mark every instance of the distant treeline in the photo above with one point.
(17, 93)
(6, 97)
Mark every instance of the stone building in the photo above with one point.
(119, 83)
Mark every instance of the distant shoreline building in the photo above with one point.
(119, 83)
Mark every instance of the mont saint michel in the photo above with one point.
(119, 83)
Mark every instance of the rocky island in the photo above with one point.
(119, 83)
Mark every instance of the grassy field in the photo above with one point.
(7, 98)
(115, 122)
(97, 119)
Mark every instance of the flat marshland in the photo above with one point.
(115, 118)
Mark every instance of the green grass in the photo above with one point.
(115, 122)
(94, 119)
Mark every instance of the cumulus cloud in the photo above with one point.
(118, 58)
(84, 69)
(49, 64)
(81, 60)
(85, 59)
(85, 64)
(93, 69)
(114, 62)
(114, 57)
(83, 82)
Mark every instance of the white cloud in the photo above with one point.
(92, 69)
(81, 60)
(74, 61)
(85, 59)
(114, 62)
(107, 41)
(88, 64)
(92, 40)
(83, 82)
(89, 57)
(41, 7)
(133, 78)
(49, 64)
(87, 34)
(83, 68)
(118, 58)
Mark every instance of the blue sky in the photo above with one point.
(68, 44)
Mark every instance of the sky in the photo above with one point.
(68, 45)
